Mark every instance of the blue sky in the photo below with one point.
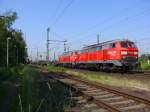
(81, 22)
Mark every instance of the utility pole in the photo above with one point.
(27, 58)
(68, 48)
(47, 57)
(54, 56)
(65, 45)
(37, 55)
(97, 38)
(16, 54)
(31, 56)
(59, 41)
(8, 51)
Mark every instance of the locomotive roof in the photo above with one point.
(95, 45)
(103, 43)
(69, 52)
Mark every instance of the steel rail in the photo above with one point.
(98, 85)
(102, 104)
(105, 88)
(96, 101)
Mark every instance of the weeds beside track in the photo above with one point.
(110, 99)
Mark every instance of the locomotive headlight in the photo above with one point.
(124, 52)
(135, 53)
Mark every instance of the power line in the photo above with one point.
(127, 19)
(57, 8)
(132, 31)
(107, 20)
(58, 18)
(57, 35)
(62, 13)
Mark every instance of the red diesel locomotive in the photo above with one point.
(110, 55)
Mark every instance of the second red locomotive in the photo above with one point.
(110, 55)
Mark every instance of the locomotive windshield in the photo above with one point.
(124, 44)
(131, 44)
(128, 45)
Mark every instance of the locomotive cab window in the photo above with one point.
(132, 45)
(124, 44)
(105, 46)
(99, 47)
(94, 48)
(128, 45)
(112, 45)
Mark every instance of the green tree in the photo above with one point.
(17, 45)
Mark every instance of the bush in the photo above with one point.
(26, 88)
(145, 66)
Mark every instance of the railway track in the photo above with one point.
(107, 98)
(131, 73)
(146, 72)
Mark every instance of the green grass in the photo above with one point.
(111, 79)
(53, 68)
(145, 66)
(30, 91)
(9, 78)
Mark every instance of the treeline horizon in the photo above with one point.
(17, 45)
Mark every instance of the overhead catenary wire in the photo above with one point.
(62, 13)
(58, 35)
(107, 19)
(106, 28)
(144, 12)
(132, 31)
(57, 9)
